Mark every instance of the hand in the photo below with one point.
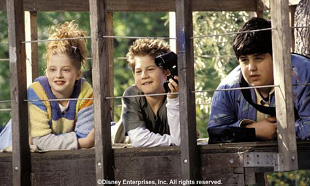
(265, 129)
(88, 141)
(174, 87)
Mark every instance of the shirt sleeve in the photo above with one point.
(302, 124)
(66, 141)
(142, 137)
(223, 113)
(85, 121)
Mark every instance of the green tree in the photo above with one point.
(214, 57)
(4, 71)
(137, 25)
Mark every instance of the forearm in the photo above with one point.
(141, 137)
(66, 141)
(173, 115)
(85, 121)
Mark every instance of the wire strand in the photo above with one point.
(238, 88)
(232, 33)
(67, 99)
(162, 94)
(47, 40)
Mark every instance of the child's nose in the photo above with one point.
(145, 74)
(252, 66)
(59, 73)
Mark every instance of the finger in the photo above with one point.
(176, 77)
(175, 84)
(171, 87)
(271, 119)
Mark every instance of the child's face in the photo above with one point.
(257, 69)
(149, 78)
(62, 74)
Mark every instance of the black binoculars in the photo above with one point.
(168, 61)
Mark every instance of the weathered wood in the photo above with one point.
(281, 41)
(16, 31)
(292, 23)
(137, 5)
(77, 167)
(260, 8)
(99, 22)
(32, 52)
(184, 24)
(111, 62)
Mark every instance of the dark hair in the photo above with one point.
(253, 42)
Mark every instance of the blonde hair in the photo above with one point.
(74, 48)
(143, 47)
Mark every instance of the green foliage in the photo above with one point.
(47, 19)
(214, 57)
(300, 178)
(138, 25)
(4, 70)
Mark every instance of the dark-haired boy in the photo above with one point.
(254, 53)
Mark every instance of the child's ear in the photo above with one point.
(79, 75)
(166, 73)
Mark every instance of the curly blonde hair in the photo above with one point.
(143, 47)
(74, 48)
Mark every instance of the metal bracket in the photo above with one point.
(260, 159)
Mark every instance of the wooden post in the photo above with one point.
(281, 40)
(21, 153)
(172, 32)
(100, 22)
(292, 23)
(260, 8)
(31, 48)
(189, 155)
(111, 62)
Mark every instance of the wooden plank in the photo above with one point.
(260, 8)
(292, 23)
(16, 31)
(281, 40)
(99, 22)
(111, 61)
(184, 24)
(32, 52)
(77, 167)
(137, 5)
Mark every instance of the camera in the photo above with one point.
(168, 61)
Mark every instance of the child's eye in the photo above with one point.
(243, 60)
(138, 72)
(66, 70)
(150, 69)
(52, 69)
